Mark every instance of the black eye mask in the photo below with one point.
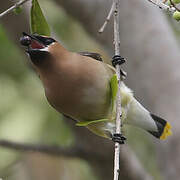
(44, 40)
(36, 41)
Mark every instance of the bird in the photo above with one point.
(78, 85)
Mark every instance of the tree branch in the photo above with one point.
(74, 151)
(18, 4)
(118, 101)
(130, 162)
(101, 30)
(162, 5)
(173, 4)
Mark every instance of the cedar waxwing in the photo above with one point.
(78, 86)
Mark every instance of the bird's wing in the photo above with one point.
(95, 56)
(98, 57)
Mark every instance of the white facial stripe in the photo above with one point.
(46, 48)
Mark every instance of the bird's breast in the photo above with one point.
(82, 98)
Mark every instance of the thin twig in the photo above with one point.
(118, 101)
(173, 4)
(163, 6)
(18, 4)
(101, 30)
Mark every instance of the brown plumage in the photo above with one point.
(78, 85)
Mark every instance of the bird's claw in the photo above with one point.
(123, 74)
(119, 138)
(117, 59)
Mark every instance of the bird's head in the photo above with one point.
(38, 47)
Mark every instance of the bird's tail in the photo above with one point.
(138, 116)
(164, 128)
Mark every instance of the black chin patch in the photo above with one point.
(37, 56)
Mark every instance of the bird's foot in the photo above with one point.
(117, 59)
(119, 138)
(123, 74)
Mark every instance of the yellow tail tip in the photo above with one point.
(166, 132)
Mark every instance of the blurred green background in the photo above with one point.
(25, 115)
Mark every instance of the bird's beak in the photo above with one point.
(33, 41)
(36, 47)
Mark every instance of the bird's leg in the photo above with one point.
(119, 138)
(123, 74)
(117, 59)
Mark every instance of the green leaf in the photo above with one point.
(114, 88)
(17, 10)
(86, 123)
(39, 24)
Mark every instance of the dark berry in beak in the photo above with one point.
(25, 40)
